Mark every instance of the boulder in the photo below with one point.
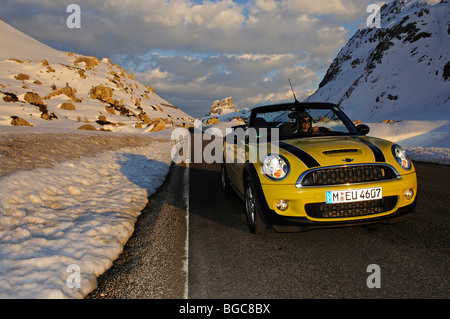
(10, 97)
(144, 117)
(110, 110)
(67, 91)
(22, 77)
(17, 121)
(158, 125)
(87, 127)
(213, 120)
(48, 116)
(68, 106)
(103, 93)
(90, 62)
(34, 99)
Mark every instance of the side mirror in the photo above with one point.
(363, 129)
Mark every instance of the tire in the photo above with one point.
(254, 212)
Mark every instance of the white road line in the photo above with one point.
(186, 247)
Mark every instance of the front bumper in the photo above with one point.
(296, 216)
(298, 224)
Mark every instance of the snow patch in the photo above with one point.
(78, 212)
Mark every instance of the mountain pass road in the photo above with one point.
(227, 261)
(193, 242)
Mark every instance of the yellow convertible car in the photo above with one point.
(300, 166)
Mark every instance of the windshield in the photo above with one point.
(301, 121)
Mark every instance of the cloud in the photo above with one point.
(195, 82)
(222, 26)
(194, 52)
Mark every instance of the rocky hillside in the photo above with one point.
(44, 87)
(399, 71)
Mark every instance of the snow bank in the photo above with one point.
(77, 215)
(424, 141)
(436, 155)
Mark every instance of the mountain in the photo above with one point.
(225, 111)
(47, 88)
(400, 71)
(222, 106)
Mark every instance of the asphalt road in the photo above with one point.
(225, 260)
(152, 264)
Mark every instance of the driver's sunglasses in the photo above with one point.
(305, 121)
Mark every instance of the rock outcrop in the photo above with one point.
(222, 107)
(67, 91)
(103, 93)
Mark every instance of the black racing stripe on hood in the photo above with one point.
(300, 154)
(379, 156)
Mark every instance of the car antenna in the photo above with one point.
(293, 93)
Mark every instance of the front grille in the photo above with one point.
(353, 209)
(350, 174)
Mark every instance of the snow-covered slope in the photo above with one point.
(36, 81)
(400, 71)
(68, 203)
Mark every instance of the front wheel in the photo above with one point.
(255, 217)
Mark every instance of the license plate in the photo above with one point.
(353, 195)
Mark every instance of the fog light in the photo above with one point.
(282, 204)
(409, 193)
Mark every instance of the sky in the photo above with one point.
(195, 52)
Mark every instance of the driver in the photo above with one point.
(304, 124)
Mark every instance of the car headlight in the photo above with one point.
(274, 166)
(400, 156)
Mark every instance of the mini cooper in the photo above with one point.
(300, 166)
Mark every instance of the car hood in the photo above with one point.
(335, 150)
